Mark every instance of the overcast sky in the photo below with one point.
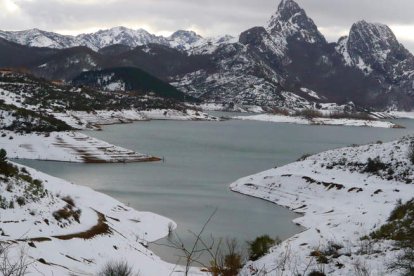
(207, 17)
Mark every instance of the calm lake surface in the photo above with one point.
(201, 160)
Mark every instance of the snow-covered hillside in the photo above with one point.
(67, 147)
(66, 229)
(344, 195)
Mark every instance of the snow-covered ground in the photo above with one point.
(317, 121)
(82, 119)
(234, 108)
(66, 146)
(105, 230)
(401, 114)
(341, 202)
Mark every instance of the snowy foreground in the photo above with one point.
(95, 230)
(67, 147)
(340, 203)
(317, 121)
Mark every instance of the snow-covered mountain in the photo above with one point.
(182, 40)
(119, 35)
(369, 67)
(39, 38)
(252, 70)
(372, 46)
(291, 21)
(270, 66)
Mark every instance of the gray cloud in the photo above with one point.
(209, 17)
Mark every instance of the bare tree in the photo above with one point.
(225, 257)
(12, 265)
(192, 255)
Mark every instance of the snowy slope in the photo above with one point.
(39, 38)
(68, 147)
(341, 200)
(104, 229)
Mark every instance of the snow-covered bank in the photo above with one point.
(83, 119)
(68, 147)
(401, 114)
(317, 121)
(343, 197)
(66, 229)
(231, 108)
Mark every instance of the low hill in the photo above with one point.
(129, 79)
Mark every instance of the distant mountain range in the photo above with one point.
(182, 40)
(287, 63)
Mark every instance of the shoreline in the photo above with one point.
(69, 146)
(337, 206)
(57, 247)
(318, 121)
(82, 120)
(149, 160)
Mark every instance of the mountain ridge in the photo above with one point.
(369, 67)
(180, 39)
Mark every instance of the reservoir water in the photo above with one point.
(201, 160)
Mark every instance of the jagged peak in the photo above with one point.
(120, 28)
(373, 46)
(35, 30)
(286, 11)
(181, 33)
(374, 33)
(291, 20)
(289, 7)
(362, 24)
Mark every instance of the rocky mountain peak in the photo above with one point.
(372, 36)
(375, 46)
(288, 8)
(291, 21)
(184, 33)
(184, 40)
(185, 36)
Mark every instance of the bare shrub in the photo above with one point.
(361, 268)
(404, 262)
(351, 115)
(304, 157)
(67, 213)
(225, 258)
(260, 246)
(12, 266)
(69, 200)
(228, 260)
(193, 253)
(280, 111)
(121, 268)
(309, 113)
